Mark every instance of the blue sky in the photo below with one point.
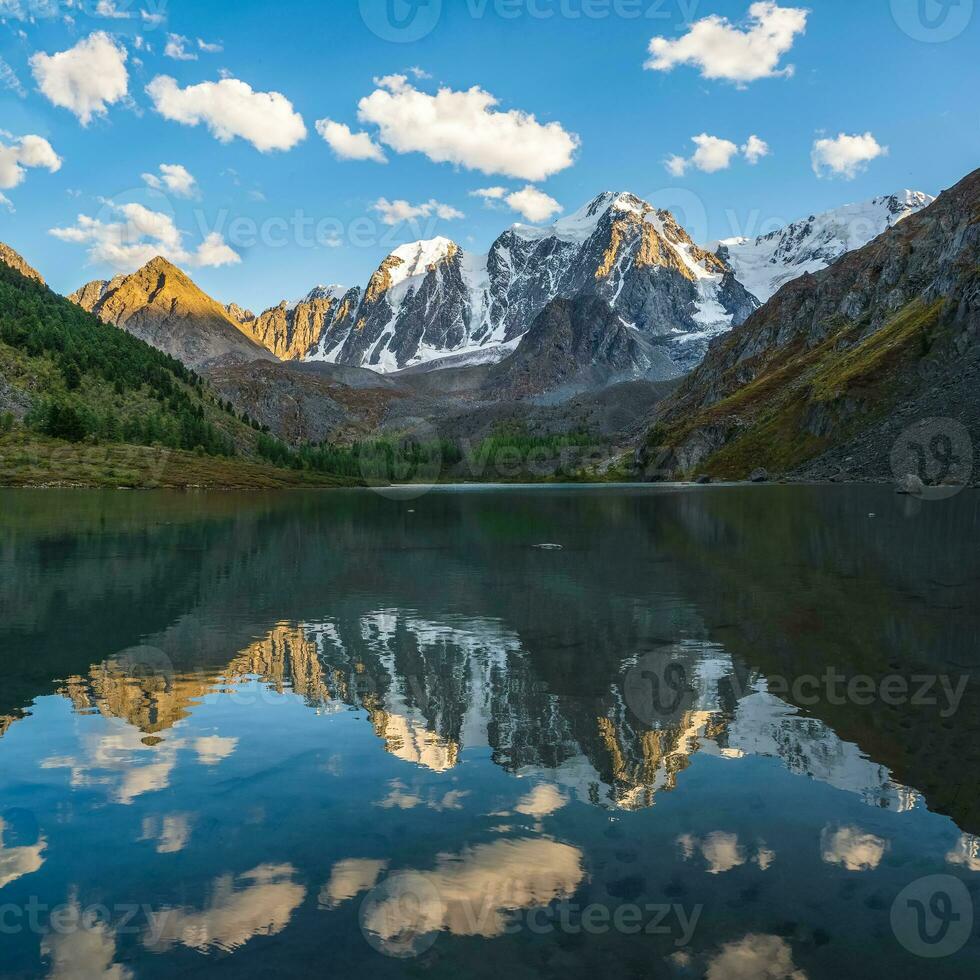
(905, 75)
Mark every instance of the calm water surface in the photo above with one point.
(338, 734)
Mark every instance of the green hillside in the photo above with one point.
(69, 380)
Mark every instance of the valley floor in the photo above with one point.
(27, 460)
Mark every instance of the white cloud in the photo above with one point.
(395, 212)
(210, 48)
(26, 152)
(464, 128)
(174, 178)
(755, 149)
(152, 19)
(489, 194)
(541, 802)
(126, 244)
(852, 847)
(5, 202)
(214, 748)
(16, 862)
(714, 154)
(107, 8)
(258, 903)
(84, 79)
(230, 108)
(966, 852)
(349, 878)
(420, 73)
(846, 156)
(755, 957)
(726, 51)
(348, 145)
(534, 205)
(177, 48)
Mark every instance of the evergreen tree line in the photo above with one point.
(38, 322)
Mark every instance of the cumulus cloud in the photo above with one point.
(127, 243)
(852, 848)
(152, 19)
(723, 50)
(210, 47)
(755, 957)
(23, 154)
(258, 903)
(541, 801)
(755, 149)
(176, 48)
(846, 156)
(534, 205)
(230, 108)
(348, 879)
(490, 193)
(84, 79)
(348, 145)
(174, 178)
(395, 212)
(714, 154)
(466, 129)
(214, 748)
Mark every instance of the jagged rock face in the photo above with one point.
(431, 299)
(577, 345)
(765, 264)
(416, 306)
(291, 332)
(863, 344)
(161, 305)
(9, 257)
(238, 313)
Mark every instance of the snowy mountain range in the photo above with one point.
(763, 265)
(433, 303)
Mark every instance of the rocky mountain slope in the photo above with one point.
(161, 305)
(838, 367)
(13, 259)
(764, 264)
(431, 300)
(575, 346)
(292, 331)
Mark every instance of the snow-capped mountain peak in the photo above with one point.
(416, 258)
(765, 264)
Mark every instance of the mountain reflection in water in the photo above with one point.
(280, 724)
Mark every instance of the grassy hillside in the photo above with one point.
(807, 399)
(68, 380)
